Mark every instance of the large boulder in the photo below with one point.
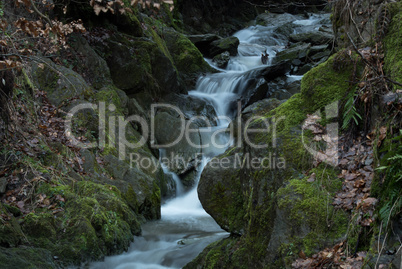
(138, 64)
(256, 83)
(137, 187)
(60, 83)
(314, 37)
(192, 106)
(219, 46)
(297, 51)
(187, 58)
(92, 66)
(182, 152)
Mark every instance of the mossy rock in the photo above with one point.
(330, 81)
(39, 225)
(60, 83)
(393, 43)
(95, 221)
(219, 46)
(138, 64)
(28, 257)
(220, 191)
(89, 63)
(296, 51)
(187, 58)
(307, 205)
(11, 234)
(138, 188)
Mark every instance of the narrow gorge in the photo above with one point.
(199, 134)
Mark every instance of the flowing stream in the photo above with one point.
(185, 229)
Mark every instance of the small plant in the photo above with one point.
(392, 186)
(350, 111)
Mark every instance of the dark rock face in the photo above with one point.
(202, 42)
(297, 51)
(137, 65)
(183, 154)
(219, 17)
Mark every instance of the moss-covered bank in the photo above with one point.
(279, 212)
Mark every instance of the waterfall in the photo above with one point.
(185, 229)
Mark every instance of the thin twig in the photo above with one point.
(41, 14)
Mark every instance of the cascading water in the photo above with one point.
(185, 229)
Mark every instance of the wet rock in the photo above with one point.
(275, 19)
(229, 44)
(296, 51)
(319, 48)
(192, 106)
(318, 56)
(182, 148)
(275, 70)
(285, 30)
(304, 69)
(222, 60)
(257, 94)
(296, 62)
(315, 37)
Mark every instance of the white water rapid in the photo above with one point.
(185, 229)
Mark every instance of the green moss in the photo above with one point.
(309, 205)
(215, 255)
(330, 81)
(186, 56)
(290, 113)
(301, 212)
(110, 96)
(393, 43)
(27, 258)
(10, 231)
(95, 222)
(39, 225)
(229, 204)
